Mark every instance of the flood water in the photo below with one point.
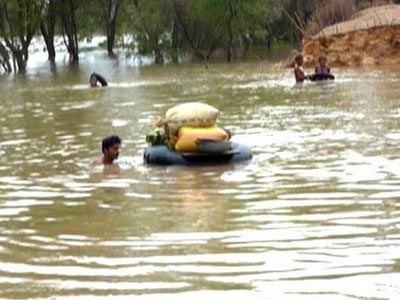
(314, 215)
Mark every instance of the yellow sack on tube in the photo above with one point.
(192, 114)
(187, 137)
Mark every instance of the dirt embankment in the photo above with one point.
(372, 37)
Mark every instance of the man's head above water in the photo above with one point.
(93, 81)
(95, 78)
(110, 147)
(299, 59)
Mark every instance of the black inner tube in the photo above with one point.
(99, 78)
(321, 76)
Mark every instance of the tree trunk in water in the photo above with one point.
(75, 55)
(49, 41)
(21, 62)
(269, 37)
(48, 34)
(246, 45)
(229, 55)
(113, 7)
(175, 43)
(69, 28)
(6, 66)
(5, 59)
(159, 58)
(269, 43)
(20, 58)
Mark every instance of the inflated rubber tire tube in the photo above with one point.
(321, 76)
(162, 155)
(100, 78)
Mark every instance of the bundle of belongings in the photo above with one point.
(191, 127)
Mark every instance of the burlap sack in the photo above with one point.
(192, 114)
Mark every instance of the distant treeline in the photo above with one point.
(165, 29)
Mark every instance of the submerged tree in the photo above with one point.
(48, 25)
(199, 33)
(201, 27)
(19, 21)
(231, 18)
(112, 13)
(5, 59)
(69, 27)
(152, 25)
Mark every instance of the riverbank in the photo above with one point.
(372, 37)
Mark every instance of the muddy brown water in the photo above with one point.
(314, 215)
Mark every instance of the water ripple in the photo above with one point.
(314, 215)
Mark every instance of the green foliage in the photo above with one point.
(156, 137)
(152, 28)
(290, 25)
(19, 21)
(199, 34)
(200, 27)
(90, 18)
(231, 15)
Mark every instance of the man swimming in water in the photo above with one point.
(95, 78)
(322, 67)
(110, 147)
(298, 69)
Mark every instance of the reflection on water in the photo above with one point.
(314, 215)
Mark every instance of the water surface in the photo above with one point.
(314, 215)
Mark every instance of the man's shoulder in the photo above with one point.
(97, 162)
(297, 67)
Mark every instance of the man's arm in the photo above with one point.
(299, 75)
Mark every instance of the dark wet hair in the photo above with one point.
(322, 57)
(110, 141)
(99, 78)
(298, 57)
